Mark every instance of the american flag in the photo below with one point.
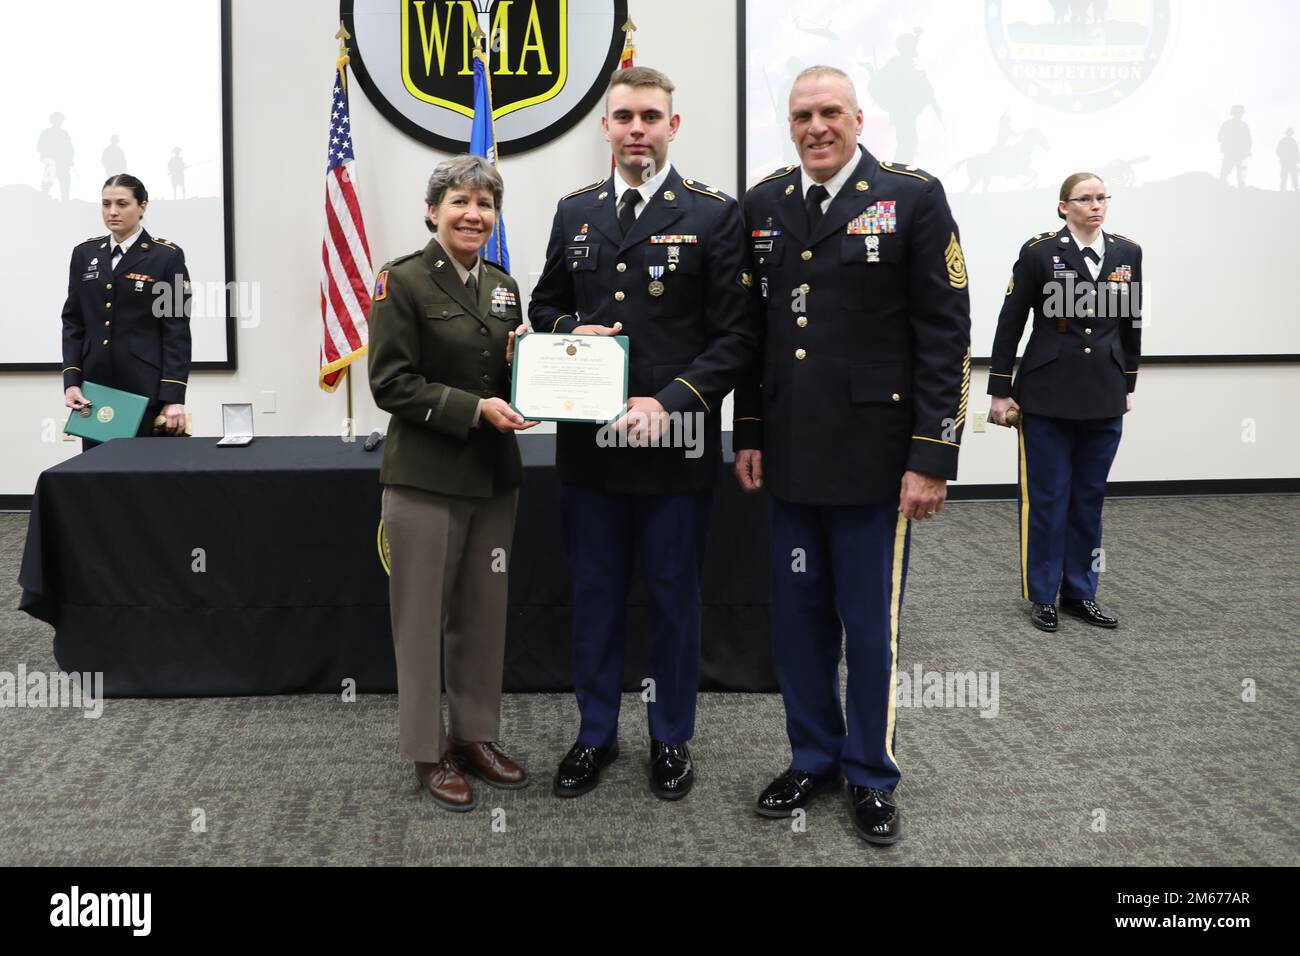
(346, 276)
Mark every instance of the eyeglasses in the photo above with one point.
(1088, 200)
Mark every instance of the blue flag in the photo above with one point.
(483, 142)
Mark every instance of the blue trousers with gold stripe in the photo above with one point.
(605, 533)
(838, 574)
(1063, 468)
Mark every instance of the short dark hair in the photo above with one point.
(1073, 180)
(130, 182)
(641, 76)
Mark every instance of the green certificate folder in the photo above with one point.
(112, 414)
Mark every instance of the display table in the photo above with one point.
(178, 568)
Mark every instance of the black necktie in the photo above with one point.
(627, 210)
(1090, 253)
(813, 203)
(117, 252)
(472, 284)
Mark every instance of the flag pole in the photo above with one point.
(343, 36)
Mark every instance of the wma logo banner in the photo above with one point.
(549, 63)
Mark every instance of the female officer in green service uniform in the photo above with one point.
(1073, 387)
(118, 330)
(442, 325)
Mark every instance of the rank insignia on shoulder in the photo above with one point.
(956, 263)
(381, 286)
(1011, 285)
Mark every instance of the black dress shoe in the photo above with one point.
(1089, 611)
(875, 815)
(1044, 617)
(671, 770)
(580, 769)
(792, 790)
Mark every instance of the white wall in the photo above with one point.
(1188, 421)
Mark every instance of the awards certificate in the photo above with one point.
(570, 378)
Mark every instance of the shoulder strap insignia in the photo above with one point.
(1116, 235)
(1041, 237)
(695, 186)
(584, 189)
(410, 255)
(784, 171)
(904, 171)
(95, 239)
(163, 242)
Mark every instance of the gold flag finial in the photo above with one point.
(629, 27)
(343, 37)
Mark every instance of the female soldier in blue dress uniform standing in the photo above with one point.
(1072, 389)
(121, 326)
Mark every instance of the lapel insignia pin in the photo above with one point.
(789, 189)
(861, 185)
(669, 195)
(603, 195)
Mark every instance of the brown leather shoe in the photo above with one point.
(446, 785)
(486, 761)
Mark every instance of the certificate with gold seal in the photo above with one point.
(570, 378)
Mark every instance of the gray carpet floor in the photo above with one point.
(1116, 748)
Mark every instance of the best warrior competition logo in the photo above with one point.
(1077, 56)
(548, 62)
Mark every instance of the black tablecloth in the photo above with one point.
(178, 568)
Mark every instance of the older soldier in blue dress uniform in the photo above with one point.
(660, 259)
(1073, 387)
(853, 427)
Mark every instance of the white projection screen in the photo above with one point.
(1186, 108)
(95, 88)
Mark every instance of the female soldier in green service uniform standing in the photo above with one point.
(121, 326)
(442, 327)
(1073, 387)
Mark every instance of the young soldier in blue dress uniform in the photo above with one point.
(126, 320)
(853, 427)
(1073, 387)
(660, 259)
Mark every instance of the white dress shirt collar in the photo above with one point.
(834, 183)
(646, 189)
(128, 242)
(1098, 245)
